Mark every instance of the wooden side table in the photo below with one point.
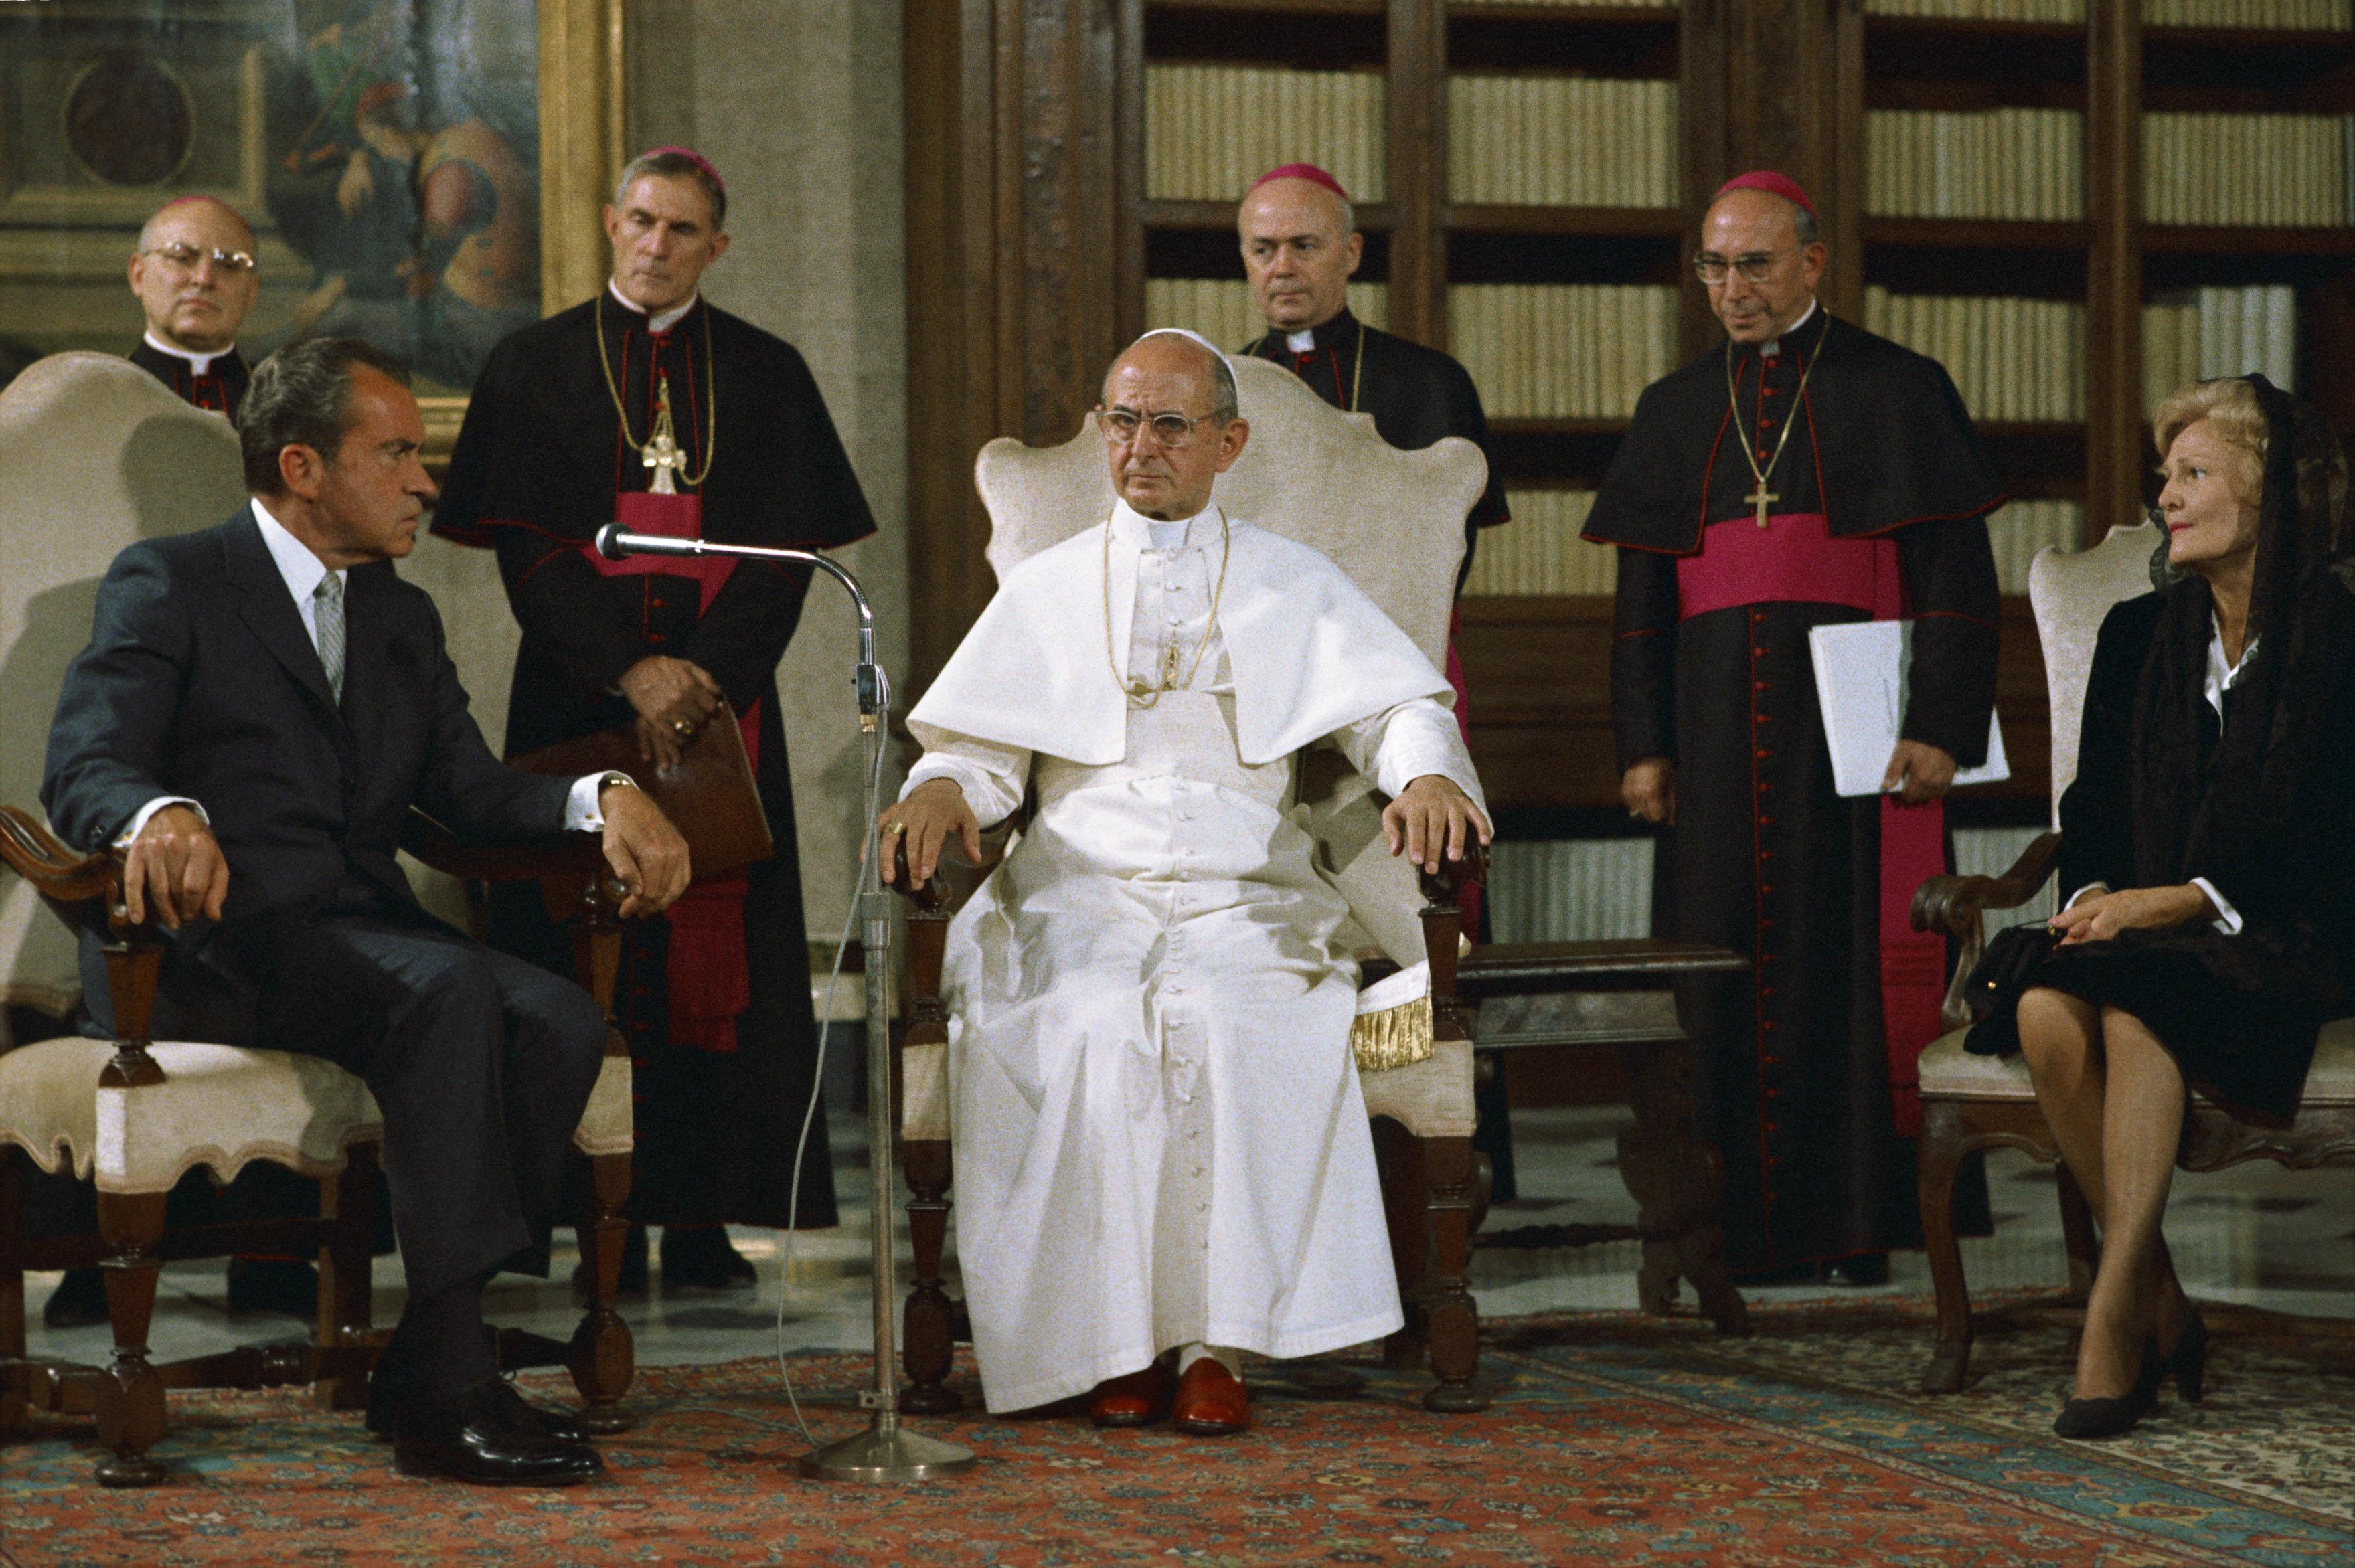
(1617, 995)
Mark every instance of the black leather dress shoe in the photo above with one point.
(485, 1434)
(1863, 1268)
(285, 1285)
(702, 1258)
(394, 1384)
(79, 1301)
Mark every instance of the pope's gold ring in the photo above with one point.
(891, 828)
(682, 728)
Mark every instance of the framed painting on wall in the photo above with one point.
(425, 175)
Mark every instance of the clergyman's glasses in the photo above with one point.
(1171, 431)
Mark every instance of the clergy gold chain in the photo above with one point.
(1141, 695)
(1734, 401)
(710, 398)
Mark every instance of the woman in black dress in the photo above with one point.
(2208, 846)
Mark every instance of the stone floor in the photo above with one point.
(2255, 1234)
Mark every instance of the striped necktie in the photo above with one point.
(328, 607)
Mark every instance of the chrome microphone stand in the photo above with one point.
(883, 1452)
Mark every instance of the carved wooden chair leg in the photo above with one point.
(130, 1393)
(1943, 1144)
(604, 1358)
(13, 1371)
(1677, 1180)
(1452, 1320)
(2077, 1234)
(1398, 1157)
(925, 1324)
(341, 1337)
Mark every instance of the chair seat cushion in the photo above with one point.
(1949, 1072)
(607, 1125)
(219, 1105)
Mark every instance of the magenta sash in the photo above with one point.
(1794, 559)
(709, 979)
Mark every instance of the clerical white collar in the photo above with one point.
(1301, 342)
(1138, 532)
(660, 323)
(201, 364)
(297, 564)
(1773, 345)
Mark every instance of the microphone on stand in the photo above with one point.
(615, 543)
(883, 1452)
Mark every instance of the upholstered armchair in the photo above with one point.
(1393, 521)
(1978, 1102)
(99, 455)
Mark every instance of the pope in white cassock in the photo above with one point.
(1159, 1139)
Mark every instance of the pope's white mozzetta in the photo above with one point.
(1160, 1139)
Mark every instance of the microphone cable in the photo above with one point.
(880, 1203)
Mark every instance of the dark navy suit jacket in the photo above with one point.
(199, 680)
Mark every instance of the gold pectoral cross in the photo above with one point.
(1759, 498)
(661, 452)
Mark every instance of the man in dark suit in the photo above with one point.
(260, 705)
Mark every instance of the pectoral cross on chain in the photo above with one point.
(661, 451)
(1759, 498)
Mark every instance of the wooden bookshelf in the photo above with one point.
(1032, 236)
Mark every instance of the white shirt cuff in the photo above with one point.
(583, 811)
(2085, 892)
(2228, 919)
(984, 793)
(130, 830)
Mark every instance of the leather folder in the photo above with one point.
(710, 796)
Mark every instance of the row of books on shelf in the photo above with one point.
(1982, 10)
(2200, 335)
(1209, 130)
(1562, 141)
(1225, 313)
(2311, 15)
(2010, 358)
(1580, 351)
(1562, 351)
(1540, 552)
(1988, 163)
(2257, 169)
(2321, 15)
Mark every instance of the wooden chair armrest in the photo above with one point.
(66, 879)
(954, 879)
(537, 861)
(1444, 887)
(1952, 905)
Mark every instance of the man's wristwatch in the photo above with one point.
(615, 777)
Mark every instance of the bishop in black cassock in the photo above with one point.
(714, 1000)
(1301, 246)
(1873, 506)
(195, 278)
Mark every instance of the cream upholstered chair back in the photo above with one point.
(1392, 520)
(97, 455)
(2071, 594)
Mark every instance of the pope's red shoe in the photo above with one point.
(1133, 1399)
(1211, 1401)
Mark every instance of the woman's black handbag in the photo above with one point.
(2012, 957)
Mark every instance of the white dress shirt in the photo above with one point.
(303, 572)
(2221, 675)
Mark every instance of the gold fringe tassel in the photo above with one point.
(1395, 1037)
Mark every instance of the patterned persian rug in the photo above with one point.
(1613, 1439)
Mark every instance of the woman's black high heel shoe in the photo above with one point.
(2113, 1417)
(2189, 1360)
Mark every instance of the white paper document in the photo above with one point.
(1861, 675)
